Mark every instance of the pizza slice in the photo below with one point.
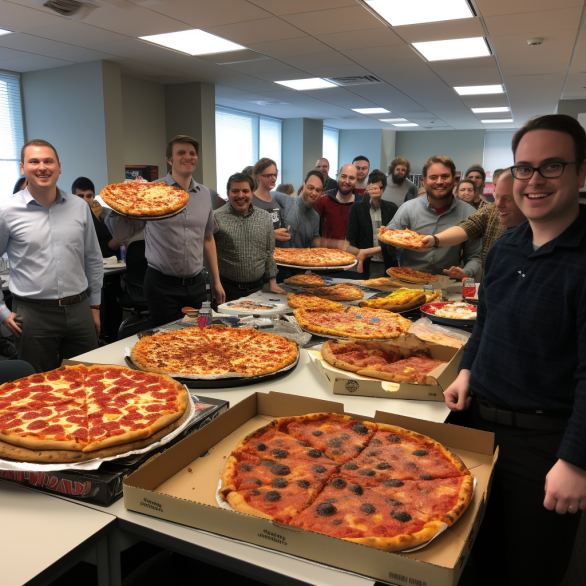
(339, 437)
(309, 301)
(271, 353)
(310, 280)
(402, 238)
(355, 356)
(399, 300)
(339, 292)
(409, 370)
(411, 275)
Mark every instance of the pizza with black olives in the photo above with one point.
(370, 483)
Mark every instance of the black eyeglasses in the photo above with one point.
(547, 171)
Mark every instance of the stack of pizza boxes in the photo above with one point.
(183, 486)
(343, 382)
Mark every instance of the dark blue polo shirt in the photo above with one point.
(528, 349)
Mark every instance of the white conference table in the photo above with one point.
(261, 564)
(41, 537)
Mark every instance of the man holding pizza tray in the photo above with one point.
(176, 247)
(523, 372)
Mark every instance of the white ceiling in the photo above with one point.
(323, 38)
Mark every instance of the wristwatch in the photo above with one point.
(95, 306)
(436, 245)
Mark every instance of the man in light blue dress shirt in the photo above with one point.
(56, 267)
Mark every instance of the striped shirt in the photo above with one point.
(245, 244)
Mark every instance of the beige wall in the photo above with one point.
(143, 111)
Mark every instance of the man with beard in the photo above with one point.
(399, 188)
(433, 213)
(323, 165)
(334, 205)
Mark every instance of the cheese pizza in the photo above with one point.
(411, 275)
(87, 408)
(313, 257)
(214, 351)
(339, 292)
(310, 280)
(379, 485)
(307, 301)
(399, 300)
(402, 238)
(144, 199)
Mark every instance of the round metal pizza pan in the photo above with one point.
(150, 218)
(332, 268)
(225, 383)
(447, 321)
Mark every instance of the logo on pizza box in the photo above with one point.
(352, 386)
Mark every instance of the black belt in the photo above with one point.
(63, 302)
(250, 285)
(184, 281)
(537, 421)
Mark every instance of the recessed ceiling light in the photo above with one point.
(193, 42)
(399, 12)
(498, 121)
(453, 49)
(5, 31)
(389, 120)
(408, 124)
(473, 90)
(489, 110)
(371, 110)
(312, 83)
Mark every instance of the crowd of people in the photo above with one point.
(523, 372)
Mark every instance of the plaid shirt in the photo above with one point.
(528, 349)
(245, 244)
(484, 224)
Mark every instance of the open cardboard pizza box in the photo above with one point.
(180, 486)
(343, 382)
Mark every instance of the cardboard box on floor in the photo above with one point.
(180, 486)
(343, 382)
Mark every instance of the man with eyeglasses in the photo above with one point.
(487, 223)
(523, 372)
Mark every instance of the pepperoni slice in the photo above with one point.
(110, 425)
(117, 432)
(81, 433)
(39, 424)
(8, 386)
(54, 430)
(76, 419)
(36, 378)
(31, 415)
(154, 408)
(132, 416)
(53, 375)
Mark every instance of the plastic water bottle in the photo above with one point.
(122, 253)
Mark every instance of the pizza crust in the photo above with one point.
(239, 504)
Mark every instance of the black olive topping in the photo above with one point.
(359, 428)
(394, 439)
(425, 477)
(317, 433)
(326, 510)
(245, 467)
(350, 466)
(345, 437)
(393, 502)
(383, 466)
(254, 492)
(314, 453)
(420, 453)
(375, 442)
(392, 483)
(261, 447)
(335, 442)
(339, 483)
(280, 469)
(281, 454)
(355, 489)
(401, 516)
(303, 483)
(367, 472)
(272, 495)
(318, 468)
(367, 508)
(279, 483)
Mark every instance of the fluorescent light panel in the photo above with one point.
(399, 12)
(498, 121)
(312, 83)
(408, 124)
(390, 120)
(477, 90)
(453, 49)
(489, 110)
(5, 31)
(371, 110)
(194, 42)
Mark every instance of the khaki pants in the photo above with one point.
(51, 334)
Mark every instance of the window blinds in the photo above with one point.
(11, 131)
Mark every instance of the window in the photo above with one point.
(242, 139)
(497, 151)
(11, 131)
(330, 149)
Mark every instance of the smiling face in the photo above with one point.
(40, 167)
(509, 213)
(439, 183)
(312, 190)
(268, 177)
(184, 159)
(544, 200)
(362, 169)
(347, 179)
(240, 196)
(323, 166)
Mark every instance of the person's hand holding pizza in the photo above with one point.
(457, 395)
(428, 242)
(565, 488)
(455, 273)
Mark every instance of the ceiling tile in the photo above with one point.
(307, 62)
(352, 19)
(496, 7)
(280, 7)
(290, 47)
(438, 31)
(269, 69)
(382, 54)
(372, 37)
(32, 63)
(30, 43)
(76, 33)
(78, 54)
(259, 31)
(480, 71)
(488, 101)
(535, 23)
(11, 53)
(532, 94)
(22, 18)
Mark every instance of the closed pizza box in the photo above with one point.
(343, 382)
(180, 486)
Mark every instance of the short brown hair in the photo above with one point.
(240, 178)
(560, 123)
(178, 139)
(40, 143)
(441, 159)
(263, 164)
(399, 161)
